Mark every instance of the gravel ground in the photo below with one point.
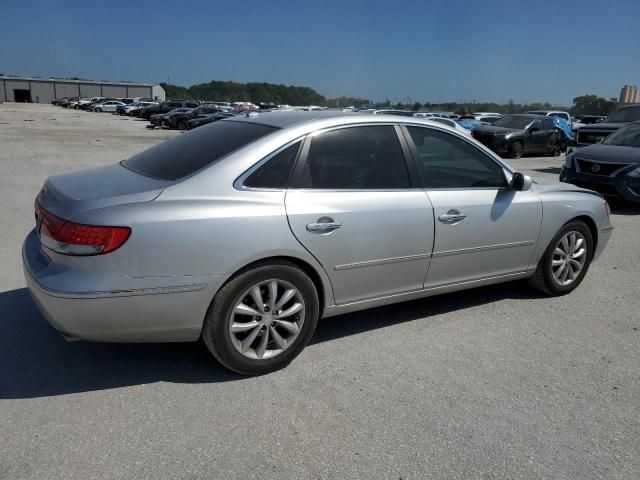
(495, 382)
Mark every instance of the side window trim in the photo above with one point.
(295, 179)
(414, 156)
(238, 184)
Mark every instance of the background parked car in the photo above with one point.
(108, 106)
(180, 120)
(204, 120)
(452, 123)
(611, 167)
(165, 107)
(519, 134)
(157, 119)
(594, 133)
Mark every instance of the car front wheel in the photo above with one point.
(566, 260)
(516, 150)
(262, 319)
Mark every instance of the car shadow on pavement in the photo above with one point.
(551, 170)
(619, 207)
(35, 361)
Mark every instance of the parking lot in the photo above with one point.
(496, 382)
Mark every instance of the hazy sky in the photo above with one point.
(487, 50)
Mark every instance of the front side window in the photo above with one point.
(547, 124)
(445, 161)
(275, 172)
(356, 158)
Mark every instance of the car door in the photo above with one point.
(536, 138)
(353, 206)
(483, 228)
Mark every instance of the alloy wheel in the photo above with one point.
(267, 319)
(569, 258)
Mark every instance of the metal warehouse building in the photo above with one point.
(44, 90)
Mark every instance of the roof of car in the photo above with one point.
(284, 119)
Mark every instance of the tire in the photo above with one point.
(516, 149)
(182, 125)
(227, 347)
(544, 278)
(98, 109)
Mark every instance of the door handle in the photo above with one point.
(323, 227)
(452, 216)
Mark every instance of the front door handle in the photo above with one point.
(324, 225)
(452, 216)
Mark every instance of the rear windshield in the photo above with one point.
(189, 152)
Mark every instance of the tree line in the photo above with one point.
(279, 94)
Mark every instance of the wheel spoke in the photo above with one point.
(578, 254)
(257, 297)
(295, 308)
(237, 327)
(273, 293)
(576, 265)
(558, 251)
(286, 296)
(565, 244)
(262, 346)
(290, 327)
(243, 309)
(556, 263)
(280, 342)
(246, 343)
(565, 273)
(572, 242)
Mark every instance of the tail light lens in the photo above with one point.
(71, 238)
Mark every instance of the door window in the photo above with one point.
(356, 158)
(445, 161)
(547, 124)
(275, 172)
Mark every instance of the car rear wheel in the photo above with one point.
(182, 125)
(98, 109)
(262, 319)
(516, 150)
(566, 260)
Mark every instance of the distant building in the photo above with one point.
(44, 90)
(629, 94)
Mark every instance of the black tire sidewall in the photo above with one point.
(216, 334)
(548, 256)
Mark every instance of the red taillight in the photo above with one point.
(71, 238)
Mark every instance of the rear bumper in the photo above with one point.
(169, 311)
(617, 186)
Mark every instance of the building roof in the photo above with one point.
(74, 80)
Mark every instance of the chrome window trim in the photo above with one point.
(238, 184)
(382, 261)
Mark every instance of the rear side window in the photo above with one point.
(189, 152)
(356, 158)
(445, 161)
(275, 172)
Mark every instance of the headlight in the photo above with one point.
(568, 160)
(634, 173)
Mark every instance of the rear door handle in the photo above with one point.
(323, 227)
(452, 216)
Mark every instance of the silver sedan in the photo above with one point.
(247, 231)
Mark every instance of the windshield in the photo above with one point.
(187, 153)
(513, 121)
(625, 115)
(624, 137)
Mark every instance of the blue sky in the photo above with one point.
(429, 50)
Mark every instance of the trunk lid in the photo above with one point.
(68, 195)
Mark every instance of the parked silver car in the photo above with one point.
(246, 231)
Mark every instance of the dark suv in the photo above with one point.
(590, 134)
(165, 107)
(519, 134)
(611, 166)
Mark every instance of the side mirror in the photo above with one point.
(520, 182)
